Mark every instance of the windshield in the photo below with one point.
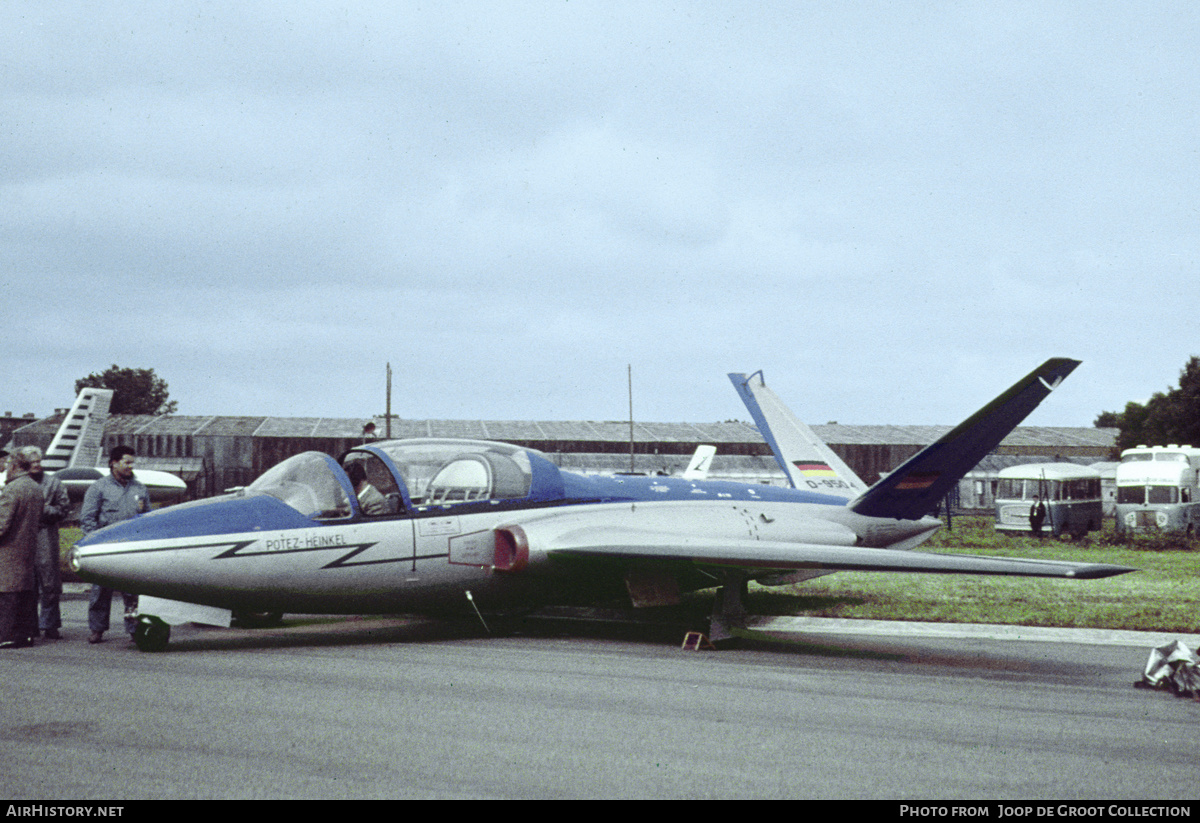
(1162, 494)
(1131, 494)
(308, 484)
(1141, 495)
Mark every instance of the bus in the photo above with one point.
(1071, 494)
(1158, 489)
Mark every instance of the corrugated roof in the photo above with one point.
(227, 427)
(1022, 436)
(310, 427)
(128, 423)
(289, 426)
(406, 428)
(562, 430)
(724, 467)
(46, 427)
(875, 435)
(1050, 436)
(513, 430)
(993, 463)
(612, 431)
(170, 424)
(471, 429)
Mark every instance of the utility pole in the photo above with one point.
(389, 402)
(630, 371)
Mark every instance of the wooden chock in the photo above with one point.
(695, 641)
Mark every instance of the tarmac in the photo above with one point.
(898, 628)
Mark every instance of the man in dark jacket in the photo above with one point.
(49, 574)
(115, 497)
(20, 519)
(1037, 515)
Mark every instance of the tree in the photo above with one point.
(135, 391)
(1173, 417)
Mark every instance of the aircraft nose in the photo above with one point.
(73, 560)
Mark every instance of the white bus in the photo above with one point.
(1158, 489)
(1071, 494)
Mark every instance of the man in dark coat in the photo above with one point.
(20, 519)
(49, 575)
(1037, 515)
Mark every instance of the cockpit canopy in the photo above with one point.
(400, 475)
(440, 472)
(309, 483)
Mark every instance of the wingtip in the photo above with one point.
(1100, 571)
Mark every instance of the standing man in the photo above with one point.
(49, 573)
(20, 519)
(111, 499)
(1037, 515)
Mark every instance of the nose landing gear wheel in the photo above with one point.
(151, 634)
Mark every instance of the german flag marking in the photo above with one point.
(814, 469)
(918, 480)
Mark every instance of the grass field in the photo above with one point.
(1164, 595)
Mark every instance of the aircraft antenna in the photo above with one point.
(476, 608)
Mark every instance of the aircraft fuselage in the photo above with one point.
(254, 551)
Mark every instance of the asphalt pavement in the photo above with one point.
(408, 708)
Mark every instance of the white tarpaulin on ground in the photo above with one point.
(1173, 667)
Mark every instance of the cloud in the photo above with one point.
(890, 211)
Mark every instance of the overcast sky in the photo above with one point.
(894, 209)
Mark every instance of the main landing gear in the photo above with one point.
(729, 612)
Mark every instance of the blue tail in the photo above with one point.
(919, 484)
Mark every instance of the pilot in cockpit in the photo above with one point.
(370, 501)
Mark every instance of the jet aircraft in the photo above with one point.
(446, 526)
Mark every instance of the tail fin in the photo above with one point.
(807, 462)
(700, 464)
(79, 440)
(916, 487)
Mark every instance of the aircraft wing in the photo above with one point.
(763, 556)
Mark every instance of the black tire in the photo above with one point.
(151, 634)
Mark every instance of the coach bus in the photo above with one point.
(1071, 493)
(1158, 489)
